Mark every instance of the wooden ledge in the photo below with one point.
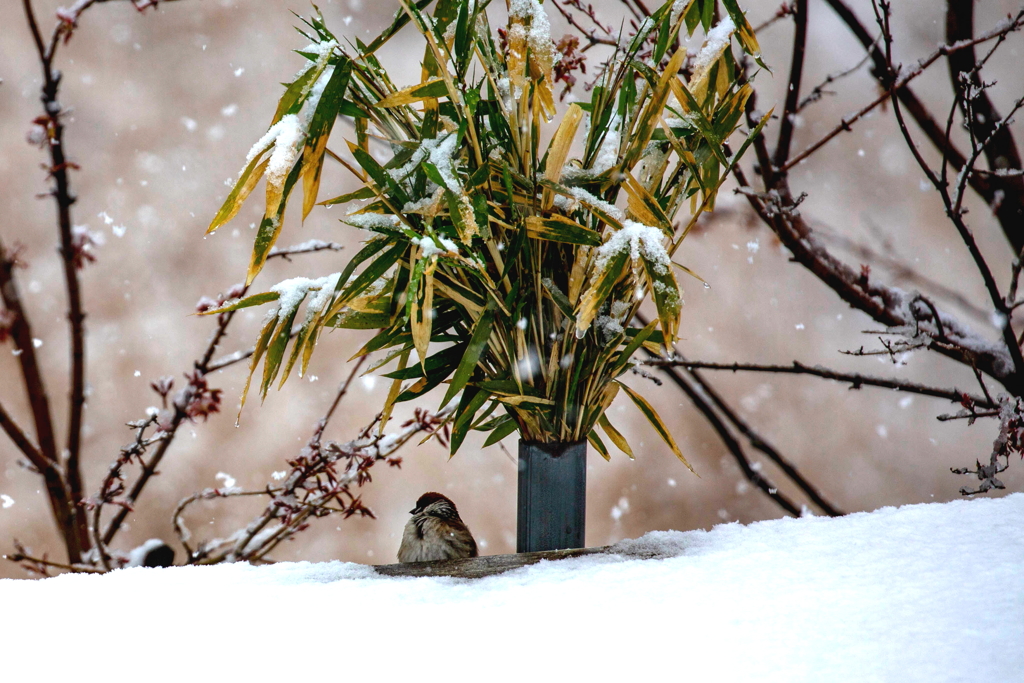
(479, 567)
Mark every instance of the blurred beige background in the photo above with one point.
(167, 103)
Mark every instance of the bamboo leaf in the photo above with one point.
(500, 430)
(558, 150)
(655, 420)
(257, 353)
(396, 388)
(415, 93)
(270, 229)
(275, 351)
(319, 131)
(247, 181)
(561, 229)
(598, 445)
(599, 290)
(361, 193)
(247, 302)
(475, 350)
(472, 400)
(666, 295)
(617, 438)
(638, 339)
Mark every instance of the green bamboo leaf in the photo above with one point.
(475, 350)
(472, 400)
(319, 131)
(247, 302)
(357, 320)
(561, 229)
(275, 352)
(295, 93)
(361, 193)
(652, 416)
(449, 357)
(501, 429)
(262, 341)
(371, 274)
(666, 295)
(627, 353)
(401, 19)
(559, 297)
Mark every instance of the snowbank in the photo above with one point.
(920, 593)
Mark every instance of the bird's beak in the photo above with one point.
(413, 511)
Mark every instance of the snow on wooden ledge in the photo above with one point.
(925, 593)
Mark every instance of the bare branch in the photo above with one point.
(899, 87)
(20, 440)
(796, 71)
(856, 380)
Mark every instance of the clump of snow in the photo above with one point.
(919, 594)
(369, 221)
(439, 151)
(420, 205)
(677, 9)
(6, 501)
(641, 241)
(229, 481)
(287, 147)
(315, 93)
(537, 37)
(323, 51)
(589, 200)
(715, 44)
(293, 291)
(430, 248)
(611, 325)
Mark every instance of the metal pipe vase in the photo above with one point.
(552, 496)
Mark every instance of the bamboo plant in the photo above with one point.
(507, 252)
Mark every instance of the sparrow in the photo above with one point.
(435, 532)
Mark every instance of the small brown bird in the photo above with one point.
(435, 532)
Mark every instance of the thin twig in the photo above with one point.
(856, 380)
(796, 71)
(901, 82)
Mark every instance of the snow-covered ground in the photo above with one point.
(920, 593)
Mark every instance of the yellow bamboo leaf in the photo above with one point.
(558, 150)
(396, 389)
(431, 89)
(422, 316)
